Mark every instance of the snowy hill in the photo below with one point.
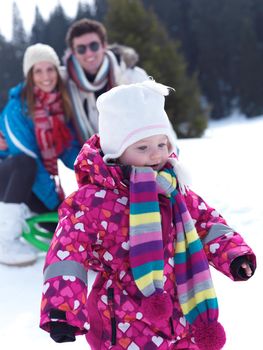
(226, 168)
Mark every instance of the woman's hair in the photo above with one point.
(29, 98)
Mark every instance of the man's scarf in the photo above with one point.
(86, 124)
(195, 289)
(105, 74)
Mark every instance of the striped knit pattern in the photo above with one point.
(104, 75)
(146, 245)
(194, 284)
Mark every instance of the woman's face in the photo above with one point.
(45, 76)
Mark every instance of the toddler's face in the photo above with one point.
(151, 151)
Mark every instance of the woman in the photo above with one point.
(35, 131)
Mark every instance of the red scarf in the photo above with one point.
(52, 134)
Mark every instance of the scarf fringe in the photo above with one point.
(182, 174)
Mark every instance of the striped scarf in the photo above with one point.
(103, 76)
(52, 133)
(81, 89)
(196, 293)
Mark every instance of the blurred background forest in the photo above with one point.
(210, 51)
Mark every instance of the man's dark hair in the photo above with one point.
(84, 26)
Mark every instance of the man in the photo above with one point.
(93, 68)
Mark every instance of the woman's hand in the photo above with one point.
(3, 144)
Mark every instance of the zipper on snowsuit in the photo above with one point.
(110, 294)
(171, 325)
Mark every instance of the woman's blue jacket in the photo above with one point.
(18, 129)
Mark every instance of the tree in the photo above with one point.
(56, 29)
(130, 24)
(175, 16)
(84, 11)
(11, 55)
(15, 50)
(223, 41)
(38, 28)
(208, 24)
(100, 9)
(8, 77)
(257, 20)
(19, 38)
(250, 73)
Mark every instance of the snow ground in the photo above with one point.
(227, 172)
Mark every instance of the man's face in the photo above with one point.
(89, 51)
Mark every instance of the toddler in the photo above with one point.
(148, 236)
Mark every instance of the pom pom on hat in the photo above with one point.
(157, 307)
(39, 53)
(210, 336)
(129, 113)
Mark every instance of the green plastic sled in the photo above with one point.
(38, 236)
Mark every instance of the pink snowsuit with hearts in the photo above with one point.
(93, 234)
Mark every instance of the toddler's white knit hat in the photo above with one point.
(39, 53)
(129, 113)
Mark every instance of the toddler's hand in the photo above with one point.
(247, 269)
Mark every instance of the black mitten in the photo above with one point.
(237, 271)
(61, 332)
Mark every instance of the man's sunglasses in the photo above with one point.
(93, 46)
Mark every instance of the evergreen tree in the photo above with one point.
(257, 20)
(38, 28)
(19, 35)
(227, 51)
(222, 40)
(10, 69)
(56, 29)
(19, 38)
(100, 9)
(130, 24)
(84, 11)
(4, 71)
(16, 49)
(249, 76)
(175, 16)
(214, 30)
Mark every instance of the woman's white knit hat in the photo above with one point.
(39, 53)
(129, 113)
